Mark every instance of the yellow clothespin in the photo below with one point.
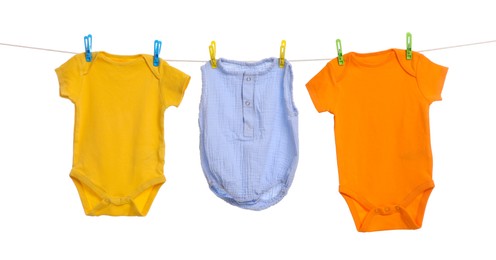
(282, 54)
(212, 49)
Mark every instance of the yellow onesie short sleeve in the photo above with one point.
(173, 84)
(69, 75)
(118, 135)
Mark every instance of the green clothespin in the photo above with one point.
(340, 52)
(408, 46)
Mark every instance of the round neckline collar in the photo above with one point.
(378, 58)
(247, 67)
(118, 59)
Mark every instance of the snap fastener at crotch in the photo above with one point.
(387, 210)
(118, 201)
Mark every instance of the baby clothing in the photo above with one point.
(248, 131)
(118, 134)
(380, 103)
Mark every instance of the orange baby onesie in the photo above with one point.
(380, 103)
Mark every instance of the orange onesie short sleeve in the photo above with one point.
(430, 78)
(380, 103)
(323, 88)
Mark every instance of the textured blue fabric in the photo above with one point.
(248, 131)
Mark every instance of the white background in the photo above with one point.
(40, 212)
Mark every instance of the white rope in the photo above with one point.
(297, 60)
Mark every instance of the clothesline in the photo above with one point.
(296, 60)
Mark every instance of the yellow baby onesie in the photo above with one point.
(118, 134)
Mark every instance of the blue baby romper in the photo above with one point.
(248, 131)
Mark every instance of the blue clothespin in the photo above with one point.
(156, 52)
(88, 40)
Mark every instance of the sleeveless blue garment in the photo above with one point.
(248, 131)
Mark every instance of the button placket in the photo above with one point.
(248, 111)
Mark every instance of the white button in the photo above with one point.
(247, 103)
(248, 79)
